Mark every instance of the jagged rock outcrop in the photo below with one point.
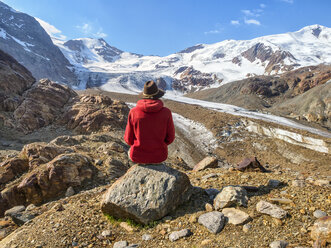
(275, 59)
(146, 193)
(100, 46)
(190, 79)
(95, 113)
(42, 104)
(14, 80)
(24, 39)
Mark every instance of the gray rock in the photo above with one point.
(121, 244)
(319, 213)
(231, 196)
(179, 234)
(146, 193)
(270, 209)
(147, 237)
(211, 175)
(236, 216)
(70, 192)
(274, 183)
(15, 210)
(279, 244)
(213, 221)
(21, 218)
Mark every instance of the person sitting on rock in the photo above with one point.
(150, 128)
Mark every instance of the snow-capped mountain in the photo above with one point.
(96, 63)
(203, 65)
(22, 37)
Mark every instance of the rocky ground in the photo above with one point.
(82, 224)
(65, 220)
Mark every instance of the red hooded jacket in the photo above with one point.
(150, 129)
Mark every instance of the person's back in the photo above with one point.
(150, 128)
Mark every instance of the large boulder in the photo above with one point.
(48, 181)
(42, 105)
(146, 193)
(12, 168)
(95, 113)
(53, 179)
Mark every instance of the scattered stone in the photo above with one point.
(247, 228)
(206, 242)
(231, 196)
(106, 233)
(15, 210)
(322, 229)
(127, 227)
(209, 207)
(193, 218)
(319, 213)
(250, 164)
(279, 244)
(213, 221)
(58, 207)
(179, 234)
(70, 192)
(299, 183)
(236, 216)
(121, 244)
(147, 193)
(212, 193)
(147, 237)
(274, 183)
(207, 162)
(322, 182)
(270, 209)
(281, 200)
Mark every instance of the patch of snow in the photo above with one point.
(197, 133)
(3, 33)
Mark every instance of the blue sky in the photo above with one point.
(162, 27)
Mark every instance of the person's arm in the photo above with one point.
(129, 131)
(170, 136)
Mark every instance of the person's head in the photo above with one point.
(151, 91)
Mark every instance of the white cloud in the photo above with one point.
(52, 31)
(235, 22)
(252, 21)
(89, 30)
(247, 12)
(262, 5)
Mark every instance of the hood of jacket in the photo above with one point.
(149, 105)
